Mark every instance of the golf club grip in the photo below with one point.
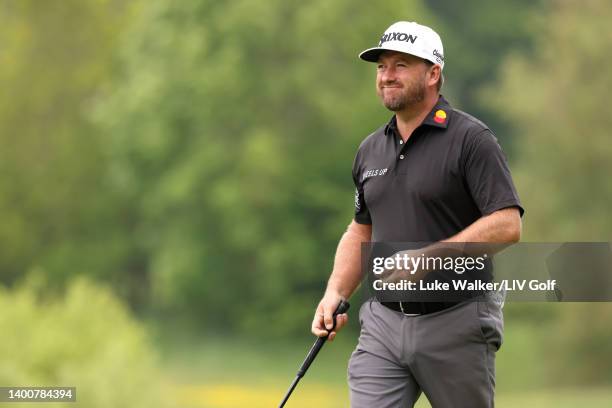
(343, 306)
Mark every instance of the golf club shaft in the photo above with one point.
(314, 350)
(291, 388)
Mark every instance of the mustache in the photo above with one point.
(390, 83)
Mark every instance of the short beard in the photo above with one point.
(413, 94)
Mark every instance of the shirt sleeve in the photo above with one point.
(362, 214)
(488, 176)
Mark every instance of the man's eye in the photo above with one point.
(379, 67)
(401, 64)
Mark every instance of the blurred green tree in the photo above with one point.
(58, 213)
(216, 173)
(477, 36)
(232, 130)
(557, 96)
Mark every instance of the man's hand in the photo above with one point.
(323, 321)
(411, 273)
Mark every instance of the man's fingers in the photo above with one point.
(318, 329)
(341, 321)
(319, 332)
(323, 323)
(328, 312)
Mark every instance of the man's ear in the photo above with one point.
(435, 73)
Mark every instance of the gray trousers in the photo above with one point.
(447, 355)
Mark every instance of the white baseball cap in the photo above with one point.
(410, 38)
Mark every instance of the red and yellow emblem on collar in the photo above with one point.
(439, 116)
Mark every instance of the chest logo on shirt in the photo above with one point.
(440, 116)
(373, 173)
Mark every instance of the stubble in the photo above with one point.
(397, 97)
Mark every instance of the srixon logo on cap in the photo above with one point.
(397, 37)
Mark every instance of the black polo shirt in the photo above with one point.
(449, 173)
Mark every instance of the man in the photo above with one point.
(432, 174)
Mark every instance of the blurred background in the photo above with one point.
(175, 176)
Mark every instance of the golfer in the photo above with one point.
(432, 173)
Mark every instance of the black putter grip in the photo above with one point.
(343, 306)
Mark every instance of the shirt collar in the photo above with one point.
(437, 117)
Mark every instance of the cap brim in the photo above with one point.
(372, 54)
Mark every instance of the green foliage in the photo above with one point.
(477, 36)
(215, 177)
(232, 130)
(196, 154)
(557, 97)
(85, 339)
(582, 338)
(58, 213)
